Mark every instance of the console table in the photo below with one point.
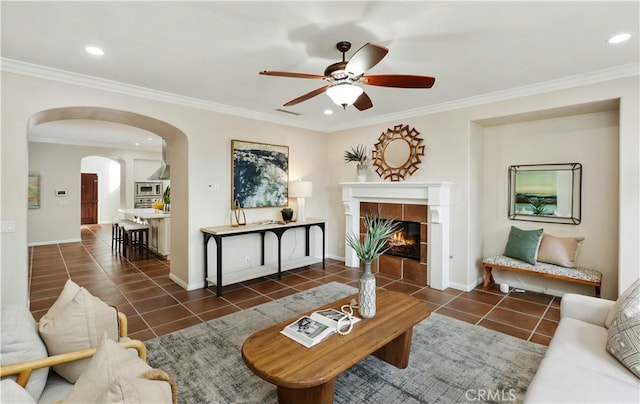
(220, 232)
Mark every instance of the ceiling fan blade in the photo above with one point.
(291, 74)
(365, 58)
(399, 80)
(308, 95)
(363, 102)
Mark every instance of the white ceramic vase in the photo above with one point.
(367, 295)
(362, 173)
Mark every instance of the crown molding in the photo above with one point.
(63, 76)
(598, 76)
(49, 73)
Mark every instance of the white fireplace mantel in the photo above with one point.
(434, 194)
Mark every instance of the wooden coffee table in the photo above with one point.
(307, 375)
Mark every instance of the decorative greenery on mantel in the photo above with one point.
(357, 154)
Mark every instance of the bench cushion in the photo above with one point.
(583, 274)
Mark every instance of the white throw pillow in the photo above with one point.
(77, 324)
(561, 251)
(107, 376)
(633, 289)
(20, 342)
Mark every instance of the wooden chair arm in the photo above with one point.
(24, 369)
(122, 325)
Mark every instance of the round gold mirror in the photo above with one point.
(397, 153)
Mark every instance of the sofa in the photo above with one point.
(578, 367)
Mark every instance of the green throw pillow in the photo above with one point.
(523, 244)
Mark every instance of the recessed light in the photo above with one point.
(328, 112)
(94, 50)
(619, 38)
(149, 138)
(137, 144)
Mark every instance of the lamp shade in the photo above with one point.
(300, 189)
(344, 94)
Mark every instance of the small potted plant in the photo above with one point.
(372, 246)
(358, 155)
(287, 214)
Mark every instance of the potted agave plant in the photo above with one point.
(358, 155)
(372, 246)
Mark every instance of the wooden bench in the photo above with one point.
(582, 276)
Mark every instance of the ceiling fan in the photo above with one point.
(343, 76)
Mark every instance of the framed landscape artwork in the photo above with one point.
(259, 175)
(546, 193)
(33, 192)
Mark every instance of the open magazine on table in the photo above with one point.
(319, 325)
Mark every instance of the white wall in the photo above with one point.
(60, 167)
(455, 152)
(108, 172)
(549, 141)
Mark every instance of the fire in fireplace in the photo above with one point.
(406, 241)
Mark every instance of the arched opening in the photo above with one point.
(177, 151)
(109, 191)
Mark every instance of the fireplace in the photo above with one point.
(406, 241)
(434, 236)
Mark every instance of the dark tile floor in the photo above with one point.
(155, 305)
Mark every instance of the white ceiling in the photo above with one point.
(208, 54)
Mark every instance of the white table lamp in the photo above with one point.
(300, 190)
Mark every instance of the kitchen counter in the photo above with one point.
(159, 228)
(146, 213)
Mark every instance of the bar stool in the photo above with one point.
(116, 232)
(135, 237)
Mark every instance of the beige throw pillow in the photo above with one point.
(136, 390)
(631, 290)
(75, 324)
(117, 375)
(559, 250)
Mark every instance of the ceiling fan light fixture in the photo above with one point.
(344, 94)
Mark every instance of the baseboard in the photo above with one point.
(38, 243)
(533, 288)
(183, 284)
(334, 257)
(466, 288)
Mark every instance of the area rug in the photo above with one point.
(451, 361)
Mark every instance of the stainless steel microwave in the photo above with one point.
(148, 188)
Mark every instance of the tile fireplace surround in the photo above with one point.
(435, 195)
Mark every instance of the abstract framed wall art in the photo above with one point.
(546, 193)
(33, 192)
(259, 174)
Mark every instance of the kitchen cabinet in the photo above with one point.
(160, 236)
(159, 228)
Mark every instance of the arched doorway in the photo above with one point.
(177, 156)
